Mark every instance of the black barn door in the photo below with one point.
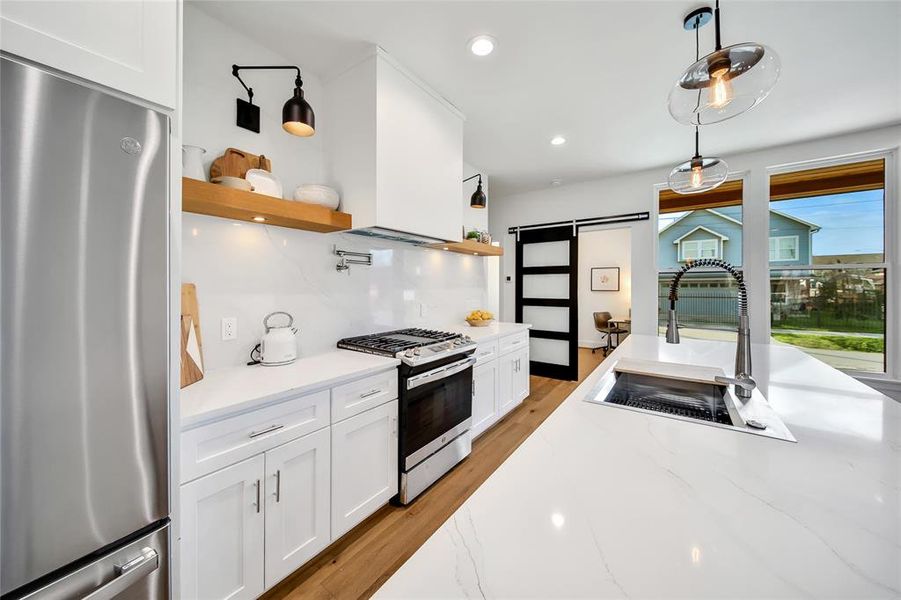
(547, 297)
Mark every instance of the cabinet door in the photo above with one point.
(521, 375)
(364, 465)
(222, 533)
(485, 406)
(505, 372)
(297, 503)
(128, 46)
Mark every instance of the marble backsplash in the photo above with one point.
(246, 270)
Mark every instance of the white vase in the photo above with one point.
(192, 162)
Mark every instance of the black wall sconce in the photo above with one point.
(297, 114)
(478, 198)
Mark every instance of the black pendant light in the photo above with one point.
(478, 198)
(725, 83)
(700, 174)
(297, 114)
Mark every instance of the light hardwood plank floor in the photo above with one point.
(356, 565)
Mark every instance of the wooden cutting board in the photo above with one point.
(235, 163)
(191, 342)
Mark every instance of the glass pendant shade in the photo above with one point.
(297, 115)
(698, 175)
(724, 84)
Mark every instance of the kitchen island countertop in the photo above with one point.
(604, 502)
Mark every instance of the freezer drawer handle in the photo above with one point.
(127, 575)
(254, 434)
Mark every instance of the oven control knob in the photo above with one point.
(458, 341)
(408, 353)
(417, 351)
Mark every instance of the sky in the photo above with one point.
(850, 223)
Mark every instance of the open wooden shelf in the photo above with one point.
(470, 247)
(219, 201)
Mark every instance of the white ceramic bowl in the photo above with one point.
(317, 194)
(264, 182)
(233, 182)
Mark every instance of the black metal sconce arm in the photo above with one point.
(298, 82)
(479, 175)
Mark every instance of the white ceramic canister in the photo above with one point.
(192, 162)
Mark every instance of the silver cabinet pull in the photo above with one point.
(257, 503)
(127, 575)
(394, 426)
(270, 429)
(370, 393)
(278, 485)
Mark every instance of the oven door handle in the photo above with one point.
(440, 372)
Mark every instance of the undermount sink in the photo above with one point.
(685, 392)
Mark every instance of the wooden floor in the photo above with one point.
(356, 565)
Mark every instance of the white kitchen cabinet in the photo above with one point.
(395, 150)
(297, 503)
(513, 374)
(222, 532)
(485, 397)
(364, 465)
(128, 46)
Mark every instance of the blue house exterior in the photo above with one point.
(707, 299)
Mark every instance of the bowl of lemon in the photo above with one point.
(479, 318)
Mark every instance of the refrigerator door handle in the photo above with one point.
(127, 575)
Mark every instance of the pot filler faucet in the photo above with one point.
(742, 381)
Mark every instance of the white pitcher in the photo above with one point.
(192, 162)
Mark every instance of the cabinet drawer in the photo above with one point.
(353, 398)
(211, 447)
(514, 342)
(486, 352)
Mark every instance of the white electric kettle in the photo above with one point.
(278, 346)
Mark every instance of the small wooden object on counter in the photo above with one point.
(470, 247)
(235, 163)
(191, 367)
(218, 201)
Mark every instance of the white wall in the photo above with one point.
(247, 270)
(604, 248)
(635, 192)
(211, 48)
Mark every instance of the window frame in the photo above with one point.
(892, 370)
(717, 248)
(776, 238)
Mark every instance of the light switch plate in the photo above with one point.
(229, 328)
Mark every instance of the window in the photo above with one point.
(827, 264)
(692, 249)
(706, 225)
(783, 247)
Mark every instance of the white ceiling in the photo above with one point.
(598, 73)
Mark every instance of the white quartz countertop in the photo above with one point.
(605, 502)
(231, 391)
(484, 334)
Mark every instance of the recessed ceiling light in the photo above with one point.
(556, 182)
(259, 219)
(482, 45)
(558, 140)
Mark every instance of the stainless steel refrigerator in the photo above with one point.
(84, 508)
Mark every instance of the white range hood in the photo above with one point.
(395, 152)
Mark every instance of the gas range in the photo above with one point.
(412, 346)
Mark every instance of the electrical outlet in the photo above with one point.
(423, 309)
(229, 328)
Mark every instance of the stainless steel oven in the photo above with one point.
(435, 417)
(435, 400)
